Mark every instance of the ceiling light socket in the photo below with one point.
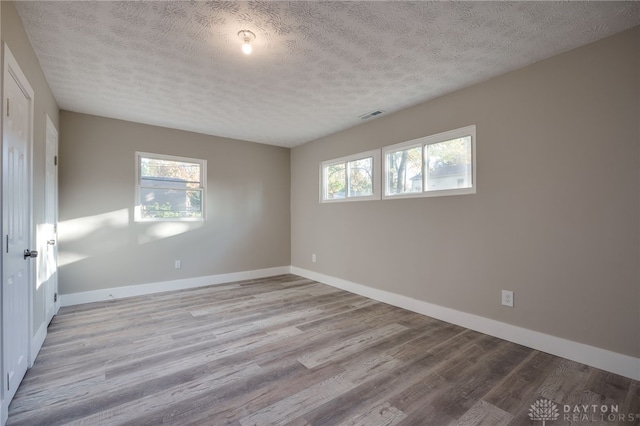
(247, 37)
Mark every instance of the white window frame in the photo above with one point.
(424, 142)
(203, 187)
(375, 177)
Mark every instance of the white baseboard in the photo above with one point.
(36, 343)
(142, 289)
(613, 362)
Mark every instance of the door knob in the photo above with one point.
(30, 253)
(51, 242)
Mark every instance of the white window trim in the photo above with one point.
(428, 140)
(203, 181)
(375, 175)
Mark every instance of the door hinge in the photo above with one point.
(8, 382)
(55, 297)
(55, 228)
(55, 160)
(7, 243)
(7, 107)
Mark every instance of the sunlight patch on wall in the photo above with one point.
(69, 257)
(81, 227)
(88, 236)
(45, 266)
(157, 231)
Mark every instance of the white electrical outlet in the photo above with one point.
(313, 258)
(178, 264)
(507, 298)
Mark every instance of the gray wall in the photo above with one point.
(556, 217)
(15, 37)
(248, 215)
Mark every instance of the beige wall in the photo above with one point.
(556, 217)
(15, 37)
(248, 215)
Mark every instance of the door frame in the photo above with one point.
(51, 128)
(11, 69)
(44, 283)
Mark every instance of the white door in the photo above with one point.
(49, 260)
(16, 224)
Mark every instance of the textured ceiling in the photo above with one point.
(315, 68)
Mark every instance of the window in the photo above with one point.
(442, 164)
(170, 188)
(351, 178)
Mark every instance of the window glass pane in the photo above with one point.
(170, 203)
(361, 177)
(170, 188)
(404, 171)
(336, 181)
(449, 164)
(168, 173)
(163, 182)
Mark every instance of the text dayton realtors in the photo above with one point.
(596, 413)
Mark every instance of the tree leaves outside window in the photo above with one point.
(449, 164)
(349, 179)
(170, 189)
(404, 171)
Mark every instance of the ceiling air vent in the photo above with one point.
(371, 114)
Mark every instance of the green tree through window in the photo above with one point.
(170, 187)
(351, 177)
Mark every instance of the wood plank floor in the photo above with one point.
(290, 351)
